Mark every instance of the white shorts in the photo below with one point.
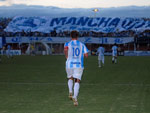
(101, 57)
(74, 72)
(114, 54)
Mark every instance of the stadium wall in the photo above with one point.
(136, 53)
(91, 40)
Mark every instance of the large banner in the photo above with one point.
(12, 52)
(137, 53)
(99, 24)
(91, 40)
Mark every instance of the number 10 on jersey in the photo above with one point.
(76, 52)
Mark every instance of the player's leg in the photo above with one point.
(76, 88)
(99, 61)
(115, 59)
(103, 60)
(77, 76)
(70, 81)
(76, 91)
(70, 87)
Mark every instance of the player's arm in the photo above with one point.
(85, 52)
(97, 52)
(86, 55)
(66, 51)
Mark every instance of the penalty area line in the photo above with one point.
(88, 84)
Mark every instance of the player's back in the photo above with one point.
(114, 48)
(76, 51)
(101, 50)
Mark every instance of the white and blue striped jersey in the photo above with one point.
(101, 51)
(114, 50)
(76, 51)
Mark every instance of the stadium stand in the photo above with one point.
(142, 39)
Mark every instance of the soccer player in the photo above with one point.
(114, 53)
(75, 51)
(101, 58)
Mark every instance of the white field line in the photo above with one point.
(88, 84)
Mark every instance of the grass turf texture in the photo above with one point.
(38, 84)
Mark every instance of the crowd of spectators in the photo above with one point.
(3, 24)
(54, 33)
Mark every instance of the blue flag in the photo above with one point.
(3, 40)
(1, 45)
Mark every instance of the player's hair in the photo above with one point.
(74, 34)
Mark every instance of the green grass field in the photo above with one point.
(38, 84)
